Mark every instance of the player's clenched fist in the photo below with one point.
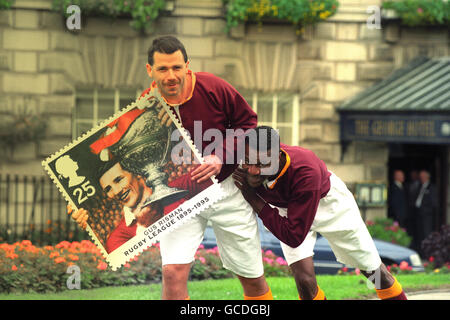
(81, 216)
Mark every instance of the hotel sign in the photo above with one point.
(399, 128)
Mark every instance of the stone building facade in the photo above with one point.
(43, 66)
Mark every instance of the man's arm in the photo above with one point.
(185, 182)
(292, 229)
(239, 115)
(240, 180)
(211, 167)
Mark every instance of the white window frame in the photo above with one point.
(294, 124)
(95, 118)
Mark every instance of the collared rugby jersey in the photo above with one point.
(217, 105)
(301, 184)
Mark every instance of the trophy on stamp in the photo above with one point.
(143, 149)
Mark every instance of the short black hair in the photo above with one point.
(104, 167)
(266, 133)
(165, 44)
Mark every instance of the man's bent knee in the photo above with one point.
(305, 278)
(254, 287)
(174, 281)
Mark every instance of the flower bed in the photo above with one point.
(436, 246)
(388, 230)
(403, 268)
(431, 266)
(28, 268)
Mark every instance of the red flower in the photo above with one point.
(12, 255)
(404, 265)
(73, 257)
(63, 244)
(102, 265)
(14, 268)
(431, 259)
(60, 260)
(26, 243)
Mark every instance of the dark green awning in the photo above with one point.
(412, 105)
(422, 85)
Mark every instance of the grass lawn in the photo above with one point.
(335, 288)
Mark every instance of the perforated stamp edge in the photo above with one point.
(141, 102)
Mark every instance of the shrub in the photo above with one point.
(388, 230)
(420, 12)
(274, 266)
(27, 268)
(297, 12)
(402, 268)
(22, 127)
(142, 12)
(207, 265)
(437, 246)
(6, 4)
(431, 267)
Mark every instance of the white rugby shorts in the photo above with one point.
(338, 219)
(236, 229)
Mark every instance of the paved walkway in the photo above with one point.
(429, 295)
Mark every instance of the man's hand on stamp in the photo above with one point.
(80, 216)
(164, 117)
(152, 101)
(206, 170)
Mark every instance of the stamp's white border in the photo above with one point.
(215, 192)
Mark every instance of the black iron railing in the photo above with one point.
(32, 208)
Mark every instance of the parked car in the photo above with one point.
(324, 258)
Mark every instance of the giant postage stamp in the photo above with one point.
(131, 173)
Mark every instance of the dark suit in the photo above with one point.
(413, 189)
(425, 212)
(398, 204)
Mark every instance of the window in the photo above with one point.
(280, 111)
(95, 105)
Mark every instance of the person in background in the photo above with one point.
(398, 202)
(412, 188)
(426, 205)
